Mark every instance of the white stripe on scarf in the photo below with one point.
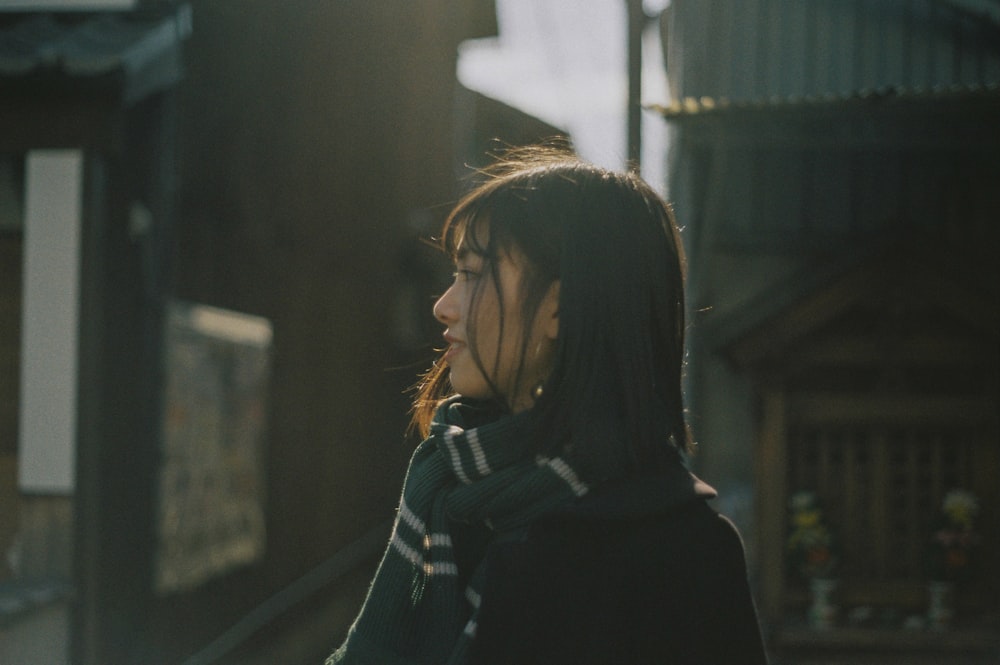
(456, 461)
(475, 600)
(411, 519)
(563, 470)
(417, 559)
(477, 453)
(470, 628)
(408, 553)
(439, 540)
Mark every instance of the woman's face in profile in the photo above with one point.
(473, 301)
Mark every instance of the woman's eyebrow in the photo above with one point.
(464, 253)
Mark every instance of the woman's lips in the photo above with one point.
(455, 345)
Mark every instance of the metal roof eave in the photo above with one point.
(943, 117)
(129, 53)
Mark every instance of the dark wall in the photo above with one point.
(314, 138)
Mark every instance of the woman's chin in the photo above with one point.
(471, 387)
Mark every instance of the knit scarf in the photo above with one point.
(416, 611)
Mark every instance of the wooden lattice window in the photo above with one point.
(881, 468)
(877, 391)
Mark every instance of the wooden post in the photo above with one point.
(772, 463)
(636, 23)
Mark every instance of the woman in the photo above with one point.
(548, 516)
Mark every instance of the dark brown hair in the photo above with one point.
(613, 244)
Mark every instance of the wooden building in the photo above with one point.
(87, 110)
(835, 165)
(258, 174)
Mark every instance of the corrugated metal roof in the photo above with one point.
(789, 49)
(89, 46)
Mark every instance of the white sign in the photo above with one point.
(50, 321)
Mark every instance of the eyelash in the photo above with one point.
(465, 273)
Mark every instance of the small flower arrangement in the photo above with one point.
(811, 544)
(954, 537)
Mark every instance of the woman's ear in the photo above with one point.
(548, 311)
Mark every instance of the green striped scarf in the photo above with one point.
(416, 612)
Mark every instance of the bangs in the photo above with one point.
(480, 224)
(465, 231)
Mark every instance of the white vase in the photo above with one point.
(940, 605)
(823, 609)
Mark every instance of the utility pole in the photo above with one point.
(636, 23)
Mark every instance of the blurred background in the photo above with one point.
(214, 296)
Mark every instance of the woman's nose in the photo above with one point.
(446, 307)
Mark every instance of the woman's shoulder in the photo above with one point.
(623, 543)
(668, 509)
(594, 585)
(690, 533)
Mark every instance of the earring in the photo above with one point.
(537, 392)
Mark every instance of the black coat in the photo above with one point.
(643, 572)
